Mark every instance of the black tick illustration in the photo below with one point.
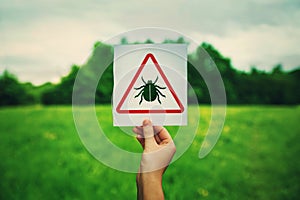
(150, 91)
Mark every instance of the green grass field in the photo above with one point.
(257, 157)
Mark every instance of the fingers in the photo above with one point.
(138, 130)
(150, 142)
(158, 140)
(141, 140)
(162, 134)
(139, 135)
(157, 129)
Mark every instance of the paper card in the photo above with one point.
(150, 82)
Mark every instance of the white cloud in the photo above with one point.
(263, 46)
(44, 51)
(41, 39)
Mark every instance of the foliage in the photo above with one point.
(101, 61)
(255, 87)
(61, 93)
(256, 157)
(12, 92)
(277, 87)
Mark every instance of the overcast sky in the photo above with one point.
(41, 39)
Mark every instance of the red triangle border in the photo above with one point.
(147, 57)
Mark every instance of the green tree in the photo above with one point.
(254, 87)
(12, 92)
(61, 93)
(277, 69)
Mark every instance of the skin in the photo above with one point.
(159, 150)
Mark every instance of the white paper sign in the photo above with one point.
(150, 82)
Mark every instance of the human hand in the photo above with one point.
(158, 146)
(159, 150)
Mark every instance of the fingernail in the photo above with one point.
(146, 122)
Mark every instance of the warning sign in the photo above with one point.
(150, 82)
(150, 91)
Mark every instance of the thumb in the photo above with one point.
(150, 143)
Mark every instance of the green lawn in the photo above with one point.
(257, 157)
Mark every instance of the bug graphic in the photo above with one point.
(150, 91)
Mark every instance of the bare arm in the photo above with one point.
(149, 186)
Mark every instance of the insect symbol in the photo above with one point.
(149, 91)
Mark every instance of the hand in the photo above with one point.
(159, 150)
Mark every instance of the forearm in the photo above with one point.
(149, 186)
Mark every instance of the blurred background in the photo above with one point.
(254, 45)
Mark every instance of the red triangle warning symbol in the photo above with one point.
(165, 79)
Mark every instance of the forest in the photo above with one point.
(255, 87)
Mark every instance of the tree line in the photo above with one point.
(254, 87)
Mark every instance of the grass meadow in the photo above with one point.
(256, 157)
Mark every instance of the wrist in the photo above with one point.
(146, 177)
(149, 186)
